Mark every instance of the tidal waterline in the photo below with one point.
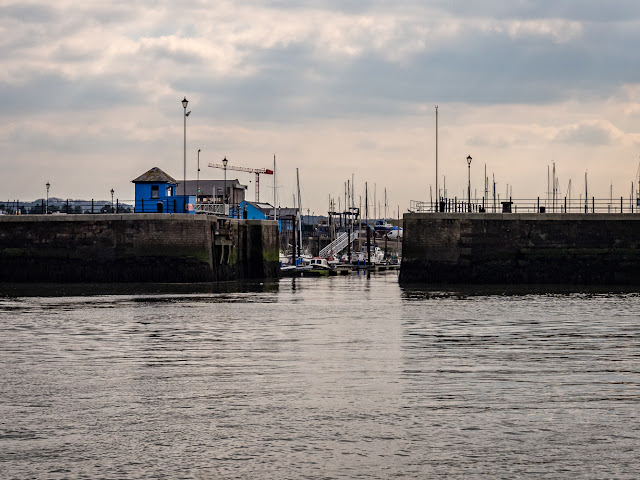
(341, 377)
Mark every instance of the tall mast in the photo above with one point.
(366, 209)
(375, 213)
(275, 205)
(386, 213)
(353, 191)
(437, 191)
(586, 194)
(299, 209)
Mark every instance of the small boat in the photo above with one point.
(318, 263)
(375, 256)
(382, 227)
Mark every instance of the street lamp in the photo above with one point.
(198, 178)
(112, 192)
(469, 190)
(224, 162)
(47, 185)
(185, 102)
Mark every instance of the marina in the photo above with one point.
(234, 246)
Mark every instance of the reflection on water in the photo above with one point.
(97, 289)
(340, 377)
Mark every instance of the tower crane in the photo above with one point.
(257, 171)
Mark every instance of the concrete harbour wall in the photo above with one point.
(521, 248)
(135, 248)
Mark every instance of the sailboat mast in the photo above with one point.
(275, 190)
(398, 237)
(386, 212)
(299, 210)
(366, 209)
(374, 201)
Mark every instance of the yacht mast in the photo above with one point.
(299, 210)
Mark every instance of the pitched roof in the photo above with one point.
(267, 209)
(155, 175)
(261, 206)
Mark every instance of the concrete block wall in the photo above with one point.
(129, 248)
(521, 248)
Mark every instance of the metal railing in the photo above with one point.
(338, 245)
(96, 207)
(68, 206)
(535, 205)
(213, 208)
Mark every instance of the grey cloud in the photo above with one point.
(298, 82)
(56, 93)
(581, 10)
(480, 69)
(181, 57)
(585, 134)
(29, 13)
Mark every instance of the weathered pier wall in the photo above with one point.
(136, 248)
(521, 248)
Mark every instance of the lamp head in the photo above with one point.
(225, 161)
(112, 192)
(185, 102)
(48, 185)
(469, 160)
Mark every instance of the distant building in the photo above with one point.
(265, 211)
(155, 191)
(211, 191)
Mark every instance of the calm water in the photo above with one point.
(348, 377)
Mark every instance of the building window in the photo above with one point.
(155, 191)
(170, 191)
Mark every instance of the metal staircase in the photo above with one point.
(338, 245)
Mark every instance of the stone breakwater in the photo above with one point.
(521, 248)
(136, 248)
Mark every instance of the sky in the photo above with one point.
(91, 96)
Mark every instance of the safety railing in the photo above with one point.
(535, 205)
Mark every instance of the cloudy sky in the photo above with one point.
(91, 91)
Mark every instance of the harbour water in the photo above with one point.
(339, 377)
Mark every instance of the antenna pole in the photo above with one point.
(437, 191)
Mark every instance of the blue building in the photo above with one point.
(264, 211)
(255, 210)
(156, 193)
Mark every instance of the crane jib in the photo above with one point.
(257, 171)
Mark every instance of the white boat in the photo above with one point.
(285, 259)
(318, 263)
(382, 227)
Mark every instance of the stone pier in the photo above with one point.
(521, 248)
(136, 248)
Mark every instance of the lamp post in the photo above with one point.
(185, 102)
(469, 188)
(112, 192)
(198, 179)
(224, 194)
(47, 185)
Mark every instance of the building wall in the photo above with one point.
(252, 212)
(521, 248)
(135, 248)
(144, 203)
